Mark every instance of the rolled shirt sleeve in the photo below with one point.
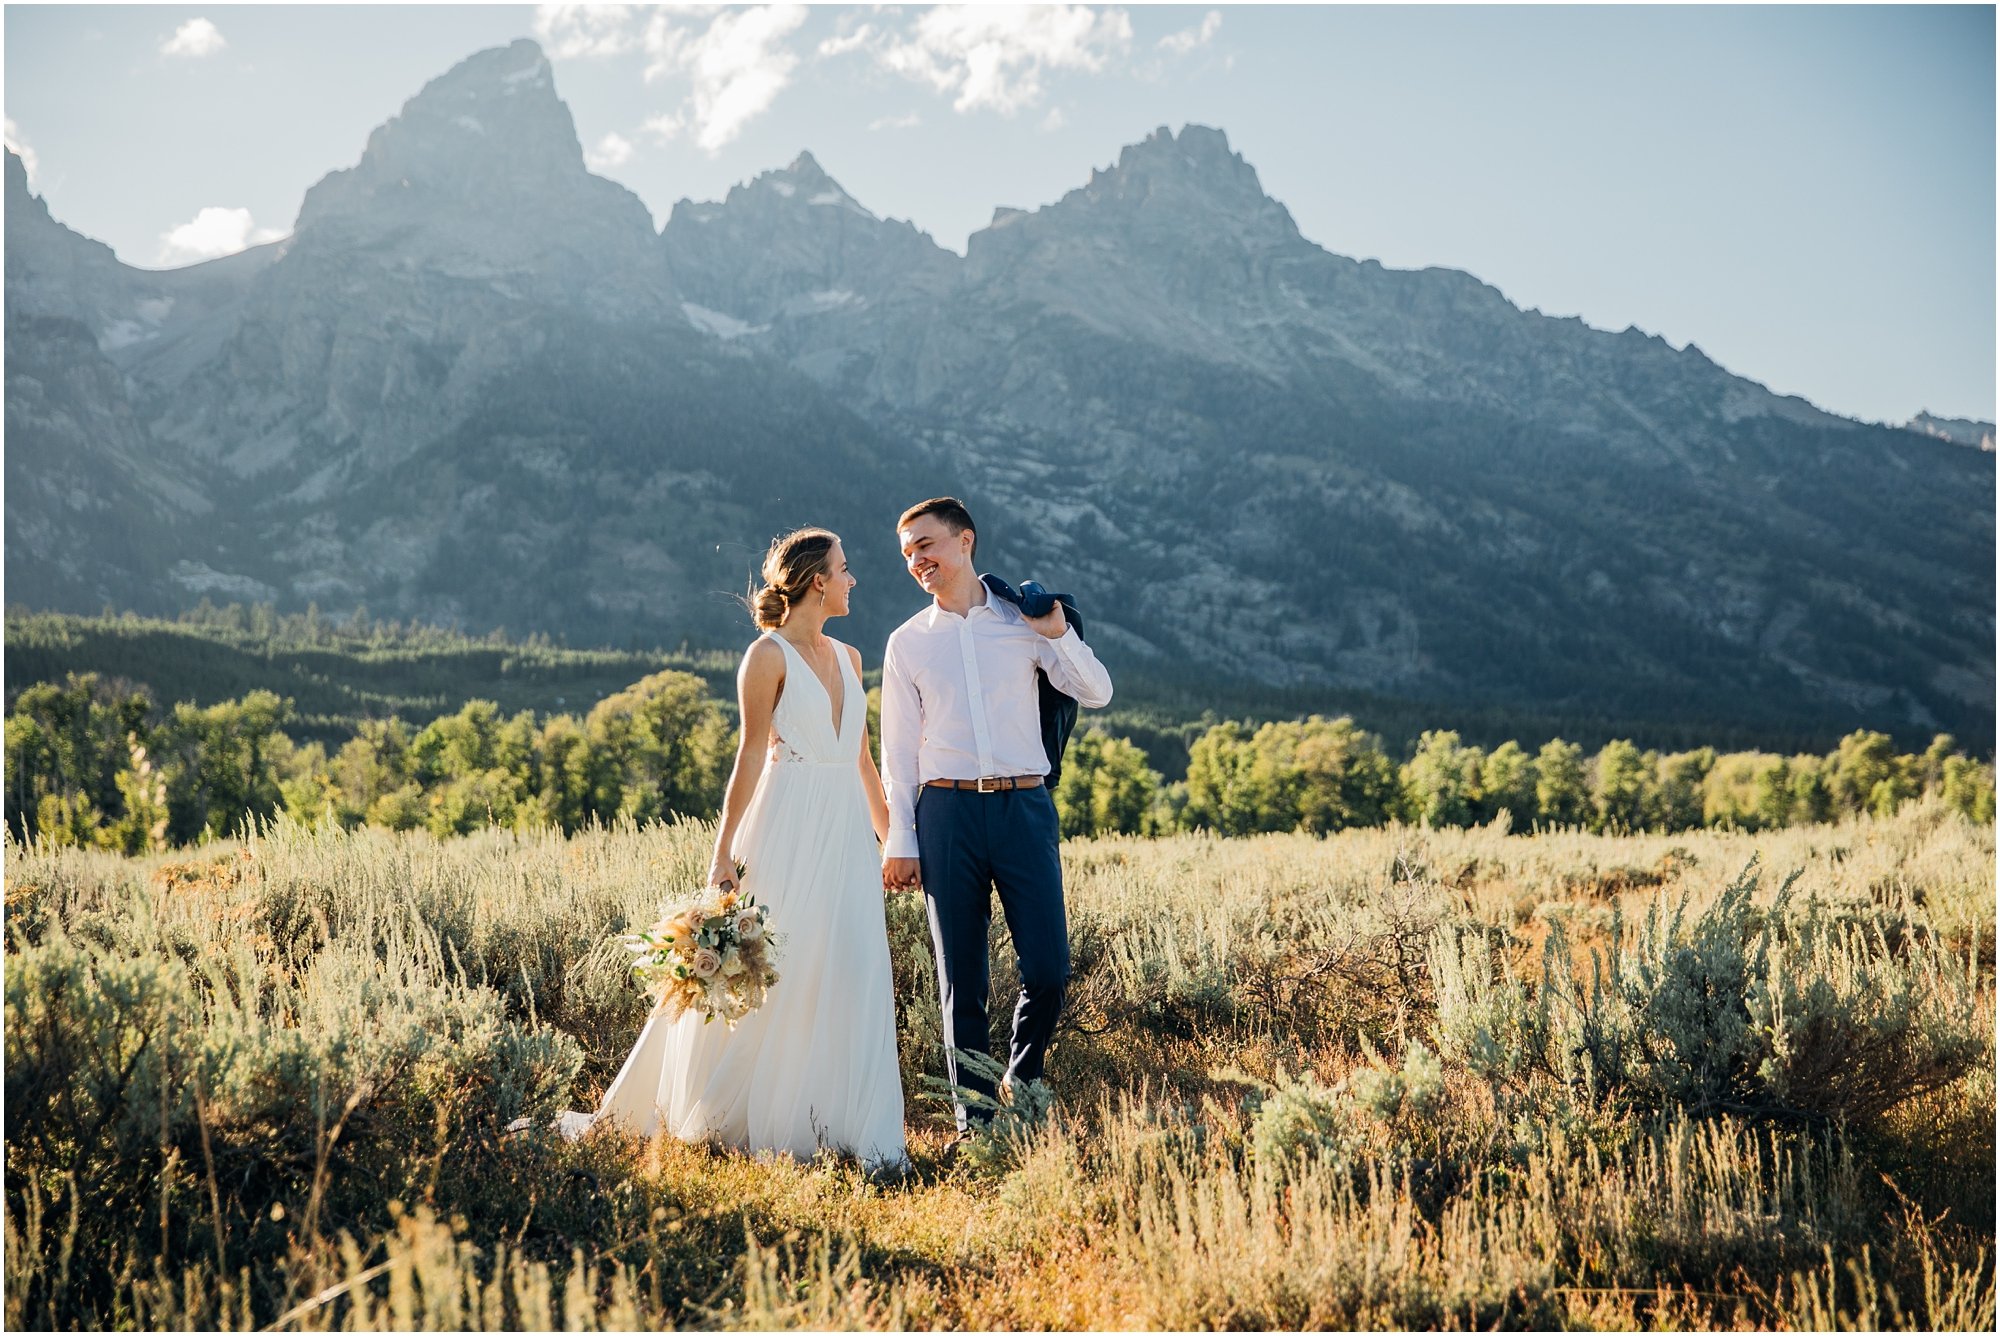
(902, 737)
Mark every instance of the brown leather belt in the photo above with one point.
(991, 784)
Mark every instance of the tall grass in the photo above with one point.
(1391, 1078)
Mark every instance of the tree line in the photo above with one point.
(337, 672)
(97, 762)
(1321, 775)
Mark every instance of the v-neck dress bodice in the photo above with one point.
(802, 724)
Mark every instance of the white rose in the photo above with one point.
(706, 962)
(732, 965)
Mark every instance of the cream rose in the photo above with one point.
(749, 924)
(706, 963)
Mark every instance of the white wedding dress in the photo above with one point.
(816, 1065)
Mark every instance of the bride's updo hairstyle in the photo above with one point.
(789, 567)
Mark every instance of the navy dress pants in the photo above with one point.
(971, 845)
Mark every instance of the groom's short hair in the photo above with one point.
(951, 512)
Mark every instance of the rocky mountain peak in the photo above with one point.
(497, 107)
(803, 185)
(793, 242)
(1198, 151)
(488, 130)
(806, 168)
(1168, 192)
(1196, 168)
(481, 177)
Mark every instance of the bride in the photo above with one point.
(816, 1065)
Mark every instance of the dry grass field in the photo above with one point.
(1390, 1078)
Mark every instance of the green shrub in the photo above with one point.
(1001, 1129)
(1301, 1119)
(1767, 1012)
(1414, 1092)
(1853, 1021)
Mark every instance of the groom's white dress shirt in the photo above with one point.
(959, 701)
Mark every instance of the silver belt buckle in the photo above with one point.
(979, 785)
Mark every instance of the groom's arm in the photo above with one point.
(1072, 668)
(902, 733)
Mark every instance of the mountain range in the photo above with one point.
(476, 386)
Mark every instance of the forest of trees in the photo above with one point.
(92, 762)
(97, 762)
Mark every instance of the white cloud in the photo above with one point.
(213, 232)
(27, 155)
(667, 125)
(994, 57)
(1187, 39)
(196, 38)
(908, 120)
(571, 32)
(844, 43)
(614, 150)
(1054, 120)
(736, 65)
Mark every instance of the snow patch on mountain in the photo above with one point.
(123, 334)
(826, 299)
(537, 73)
(719, 323)
(201, 578)
(840, 200)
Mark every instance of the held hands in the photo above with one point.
(901, 874)
(1051, 624)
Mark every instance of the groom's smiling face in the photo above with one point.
(933, 554)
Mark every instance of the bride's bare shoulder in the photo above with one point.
(762, 658)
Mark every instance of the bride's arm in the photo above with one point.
(758, 682)
(871, 779)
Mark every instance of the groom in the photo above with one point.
(969, 810)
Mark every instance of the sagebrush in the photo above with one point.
(1397, 1077)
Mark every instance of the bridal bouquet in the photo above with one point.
(713, 957)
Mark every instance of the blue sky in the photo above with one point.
(1806, 192)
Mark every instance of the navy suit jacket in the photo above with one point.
(1058, 707)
